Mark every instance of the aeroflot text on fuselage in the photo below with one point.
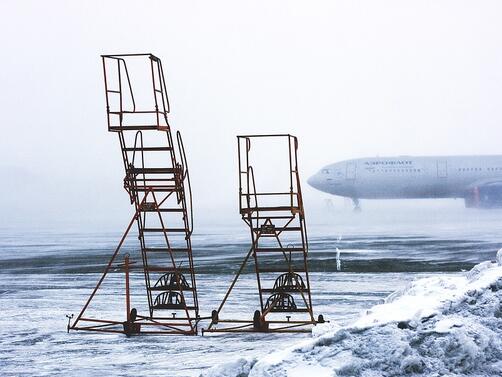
(388, 162)
(476, 179)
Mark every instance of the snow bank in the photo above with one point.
(238, 368)
(440, 325)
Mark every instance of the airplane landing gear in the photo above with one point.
(357, 206)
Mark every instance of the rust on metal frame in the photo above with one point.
(160, 195)
(278, 237)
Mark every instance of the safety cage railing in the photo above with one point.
(279, 244)
(157, 181)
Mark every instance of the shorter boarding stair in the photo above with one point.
(279, 248)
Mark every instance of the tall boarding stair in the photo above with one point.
(158, 184)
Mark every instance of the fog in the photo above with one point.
(350, 79)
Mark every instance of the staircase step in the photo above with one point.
(162, 210)
(153, 170)
(157, 188)
(138, 128)
(148, 149)
(280, 229)
(149, 179)
(271, 290)
(270, 209)
(271, 217)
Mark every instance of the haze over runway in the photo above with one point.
(349, 79)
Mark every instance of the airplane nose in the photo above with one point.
(314, 181)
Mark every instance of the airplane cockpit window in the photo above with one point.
(325, 171)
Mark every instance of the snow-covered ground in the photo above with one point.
(436, 326)
(46, 275)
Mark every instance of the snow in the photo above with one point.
(239, 367)
(442, 325)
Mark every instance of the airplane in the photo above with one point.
(476, 179)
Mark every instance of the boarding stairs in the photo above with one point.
(158, 184)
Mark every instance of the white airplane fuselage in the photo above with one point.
(477, 179)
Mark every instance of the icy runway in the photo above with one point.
(33, 338)
(44, 276)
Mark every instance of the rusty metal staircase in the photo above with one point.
(158, 184)
(279, 246)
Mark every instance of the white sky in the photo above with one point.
(349, 78)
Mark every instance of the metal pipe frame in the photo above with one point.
(271, 222)
(155, 192)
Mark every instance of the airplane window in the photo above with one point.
(325, 171)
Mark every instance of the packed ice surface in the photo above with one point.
(46, 275)
(442, 325)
